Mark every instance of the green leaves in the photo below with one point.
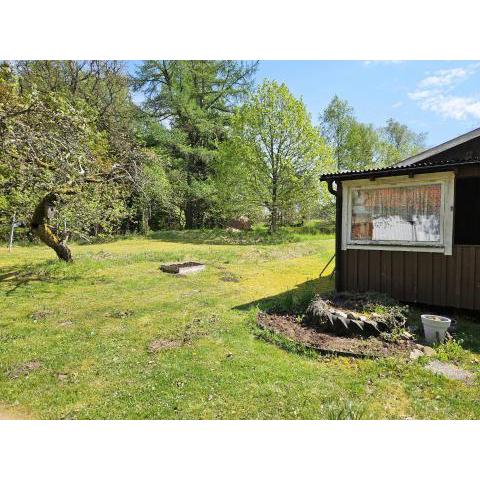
(273, 158)
(358, 145)
(69, 125)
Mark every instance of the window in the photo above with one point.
(410, 214)
(402, 213)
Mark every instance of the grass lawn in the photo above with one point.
(74, 339)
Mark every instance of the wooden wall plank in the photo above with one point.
(430, 278)
(352, 267)
(374, 269)
(343, 270)
(450, 282)
(458, 277)
(476, 295)
(362, 263)
(439, 280)
(467, 276)
(398, 275)
(386, 272)
(411, 277)
(425, 277)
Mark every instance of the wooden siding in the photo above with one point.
(420, 277)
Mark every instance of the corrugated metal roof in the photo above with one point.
(398, 169)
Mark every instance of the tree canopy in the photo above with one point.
(358, 145)
(79, 158)
(273, 157)
(193, 100)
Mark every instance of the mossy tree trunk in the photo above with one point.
(40, 227)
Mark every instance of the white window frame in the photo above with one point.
(445, 179)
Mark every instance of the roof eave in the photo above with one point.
(454, 142)
(397, 171)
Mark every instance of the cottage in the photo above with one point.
(412, 230)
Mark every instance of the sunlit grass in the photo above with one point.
(89, 324)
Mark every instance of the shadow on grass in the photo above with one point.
(223, 237)
(293, 301)
(50, 271)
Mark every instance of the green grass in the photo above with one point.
(89, 324)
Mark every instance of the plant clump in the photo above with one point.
(357, 314)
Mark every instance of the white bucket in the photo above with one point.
(435, 328)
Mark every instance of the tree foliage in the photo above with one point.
(273, 157)
(56, 140)
(193, 100)
(358, 145)
(78, 158)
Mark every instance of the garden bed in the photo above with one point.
(290, 327)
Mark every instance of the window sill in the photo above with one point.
(398, 248)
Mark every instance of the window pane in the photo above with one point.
(410, 214)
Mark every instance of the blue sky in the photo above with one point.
(441, 98)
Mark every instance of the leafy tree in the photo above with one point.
(400, 141)
(273, 157)
(336, 123)
(358, 145)
(194, 101)
(54, 150)
(362, 146)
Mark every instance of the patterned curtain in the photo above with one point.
(410, 213)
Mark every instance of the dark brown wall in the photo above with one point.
(421, 277)
(461, 152)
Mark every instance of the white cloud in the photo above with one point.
(445, 77)
(450, 106)
(435, 93)
(397, 104)
(421, 94)
(381, 62)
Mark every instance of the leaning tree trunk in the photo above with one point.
(40, 227)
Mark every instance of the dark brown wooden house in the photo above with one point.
(413, 230)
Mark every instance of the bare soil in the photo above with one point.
(24, 369)
(163, 344)
(327, 343)
(229, 277)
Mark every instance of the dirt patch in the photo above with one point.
(229, 277)
(195, 329)
(163, 344)
(120, 313)
(183, 268)
(66, 377)
(13, 413)
(289, 327)
(66, 323)
(102, 255)
(23, 369)
(40, 315)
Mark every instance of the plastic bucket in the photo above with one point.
(435, 328)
